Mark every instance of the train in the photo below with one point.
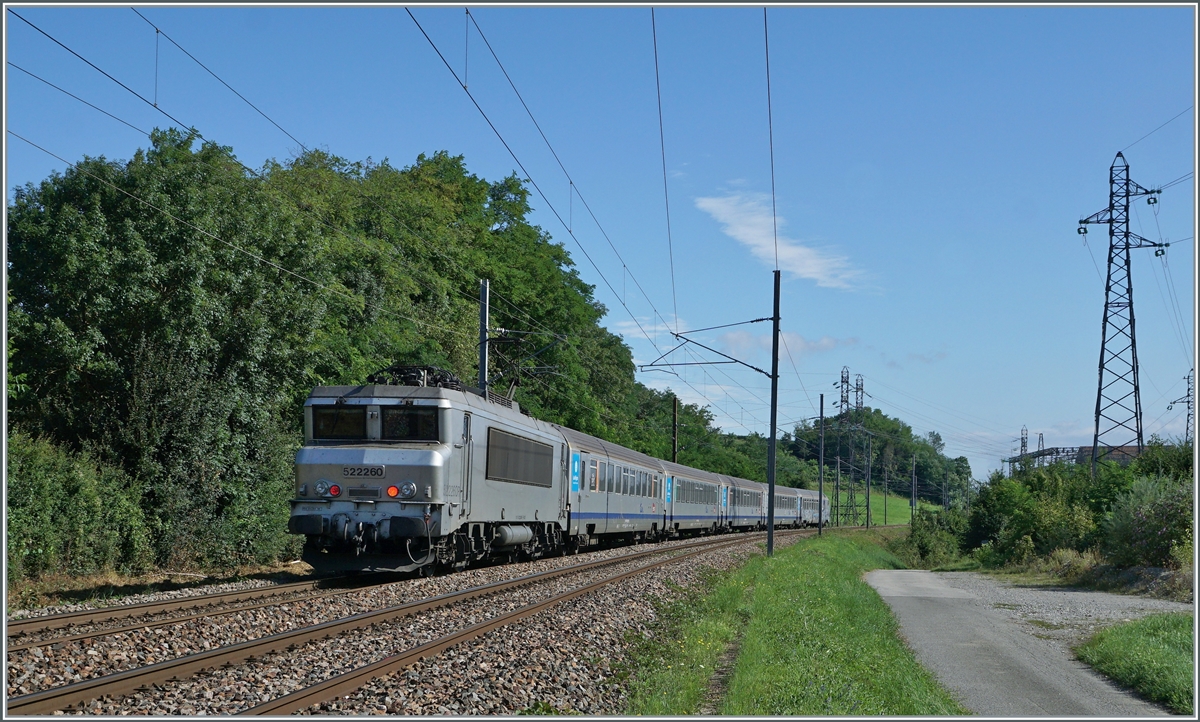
(416, 471)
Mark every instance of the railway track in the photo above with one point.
(79, 694)
(182, 613)
(19, 630)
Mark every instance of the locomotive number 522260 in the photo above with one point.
(369, 472)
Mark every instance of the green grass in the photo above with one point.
(815, 640)
(1152, 656)
(898, 510)
(671, 671)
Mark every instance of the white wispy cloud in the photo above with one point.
(747, 219)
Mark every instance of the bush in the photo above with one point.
(68, 513)
(1146, 521)
(933, 539)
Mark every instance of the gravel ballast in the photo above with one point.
(561, 659)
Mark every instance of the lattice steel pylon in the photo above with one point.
(1118, 396)
(856, 509)
(844, 504)
(1190, 429)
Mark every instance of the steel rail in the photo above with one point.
(32, 625)
(335, 687)
(117, 684)
(109, 631)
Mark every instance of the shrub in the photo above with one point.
(1059, 525)
(1146, 521)
(933, 539)
(69, 513)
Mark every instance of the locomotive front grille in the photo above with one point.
(365, 492)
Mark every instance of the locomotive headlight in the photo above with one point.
(408, 490)
(322, 487)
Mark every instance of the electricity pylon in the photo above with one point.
(1190, 429)
(1118, 397)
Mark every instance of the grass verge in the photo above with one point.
(815, 640)
(1152, 655)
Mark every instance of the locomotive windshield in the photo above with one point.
(410, 423)
(339, 422)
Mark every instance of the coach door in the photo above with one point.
(468, 460)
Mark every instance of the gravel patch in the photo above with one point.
(1064, 614)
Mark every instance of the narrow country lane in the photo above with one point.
(964, 628)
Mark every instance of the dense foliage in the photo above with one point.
(70, 513)
(168, 315)
(1135, 515)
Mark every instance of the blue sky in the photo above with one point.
(931, 165)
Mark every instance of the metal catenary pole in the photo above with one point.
(774, 415)
(912, 492)
(821, 473)
(837, 494)
(483, 335)
(675, 433)
(868, 514)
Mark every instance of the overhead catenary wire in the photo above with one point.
(771, 137)
(529, 177)
(662, 143)
(81, 100)
(573, 186)
(158, 30)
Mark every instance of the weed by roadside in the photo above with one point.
(1152, 655)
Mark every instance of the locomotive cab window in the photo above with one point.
(409, 423)
(339, 422)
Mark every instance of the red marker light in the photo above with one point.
(335, 490)
(393, 490)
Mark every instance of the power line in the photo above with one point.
(952, 412)
(771, 136)
(222, 82)
(571, 180)
(662, 143)
(81, 100)
(1139, 140)
(528, 175)
(783, 338)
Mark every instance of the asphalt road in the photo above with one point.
(988, 662)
